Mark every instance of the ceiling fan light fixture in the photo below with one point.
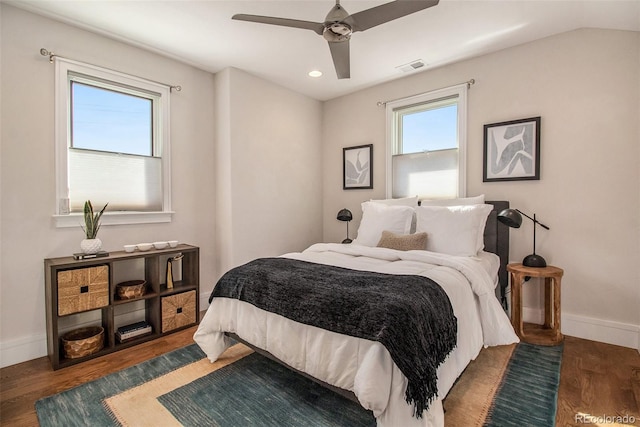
(337, 32)
(315, 73)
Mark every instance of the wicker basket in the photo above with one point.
(83, 342)
(83, 289)
(131, 289)
(178, 310)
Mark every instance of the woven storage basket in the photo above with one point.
(131, 289)
(178, 310)
(83, 342)
(83, 289)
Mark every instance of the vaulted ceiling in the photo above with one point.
(203, 34)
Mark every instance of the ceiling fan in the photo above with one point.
(339, 25)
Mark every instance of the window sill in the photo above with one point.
(114, 218)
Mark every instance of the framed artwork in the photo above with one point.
(357, 167)
(512, 150)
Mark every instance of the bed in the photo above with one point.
(474, 282)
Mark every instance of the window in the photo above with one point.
(426, 141)
(112, 145)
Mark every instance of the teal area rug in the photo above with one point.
(256, 391)
(83, 405)
(528, 395)
(252, 391)
(265, 393)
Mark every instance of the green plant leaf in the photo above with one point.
(91, 220)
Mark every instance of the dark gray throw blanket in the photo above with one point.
(410, 315)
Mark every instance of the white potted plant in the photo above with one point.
(91, 244)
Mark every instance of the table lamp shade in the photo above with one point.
(345, 215)
(510, 217)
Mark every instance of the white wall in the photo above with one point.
(269, 169)
(586, 86)
(246, 168)
(28, 235)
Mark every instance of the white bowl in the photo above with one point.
(160, 245)
(173, 243)
(144, 246)
(129, 248)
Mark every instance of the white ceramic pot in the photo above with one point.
(91, 246)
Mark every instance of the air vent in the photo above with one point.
(411, 66)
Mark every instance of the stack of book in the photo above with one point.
(134, 330)
(100, 254)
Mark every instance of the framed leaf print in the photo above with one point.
(512, 150)
(357, 167)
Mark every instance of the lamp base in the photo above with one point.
(534, 260)
(347, 240)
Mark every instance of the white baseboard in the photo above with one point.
(33, 347)
(622, 334)
(607, 331)
(532, 315)
(21, 350)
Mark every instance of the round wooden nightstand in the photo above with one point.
(549, 333)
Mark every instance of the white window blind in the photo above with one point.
(430, 174)
(127, 182)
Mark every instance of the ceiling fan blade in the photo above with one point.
(340, 55)
(316, 27)
(369, 18)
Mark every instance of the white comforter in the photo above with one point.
(362, 366)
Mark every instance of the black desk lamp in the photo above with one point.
(345, 215)
(513, 218)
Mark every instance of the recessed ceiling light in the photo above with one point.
(315, 73)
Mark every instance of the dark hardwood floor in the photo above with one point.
(596, 379)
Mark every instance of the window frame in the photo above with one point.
(458, 91)
(103, 77)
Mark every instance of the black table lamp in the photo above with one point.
(513, 218)
(345, 215)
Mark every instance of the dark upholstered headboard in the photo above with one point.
(496, 240)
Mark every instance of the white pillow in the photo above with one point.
(453, 230)
(403, 201)
(477, 200)
(462, 201)
(377, 217)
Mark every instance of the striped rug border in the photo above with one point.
(528, 394)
